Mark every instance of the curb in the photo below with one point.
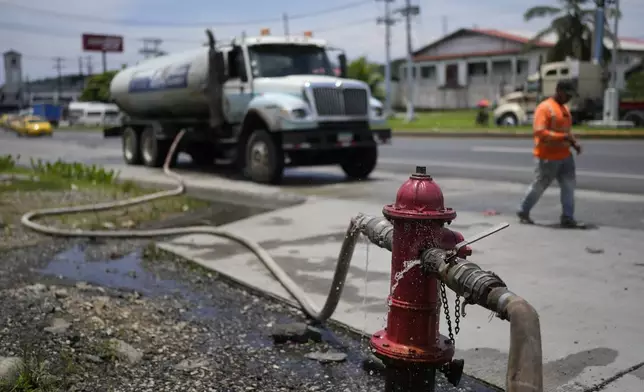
(513, 135)
(246, 198)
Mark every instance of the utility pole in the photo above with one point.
(151, 47)
(615, 42)
(80, 66)
(90, 67)
(614, 107)
(58, 66)
(388, 21)
(599, 31)
(285, 21)
(408, 12)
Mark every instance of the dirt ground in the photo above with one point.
(91, 315)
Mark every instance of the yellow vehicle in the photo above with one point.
(5, 120)
(13, 122)
(33, 126)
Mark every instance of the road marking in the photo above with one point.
(482, 166)
(509, 150)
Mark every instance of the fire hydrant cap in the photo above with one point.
(420, 198)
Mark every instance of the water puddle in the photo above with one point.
(125, 272)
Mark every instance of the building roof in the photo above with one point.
(627, 44)
(11, 51)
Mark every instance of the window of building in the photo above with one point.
(451, 75)
(522, 66)
(428, 72)
(403, 72)
(477, 69)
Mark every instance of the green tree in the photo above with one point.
(574, 24)
(98, 87)
(362, 69)
(635, 85)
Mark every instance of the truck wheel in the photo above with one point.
(264, 159)
(508, 120)
(636, 117)
(131, 149)
(153, 150)
(361, 163)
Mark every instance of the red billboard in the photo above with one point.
(102, 43)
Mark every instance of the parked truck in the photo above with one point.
(259, 103)
(518, 107)
(50, 112)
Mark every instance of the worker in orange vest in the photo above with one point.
(553, 139)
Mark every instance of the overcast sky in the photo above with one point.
(42, 35)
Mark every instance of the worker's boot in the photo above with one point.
(570, 223)
(525, 218)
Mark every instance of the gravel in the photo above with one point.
(82, 315)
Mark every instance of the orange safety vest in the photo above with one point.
(552, 122)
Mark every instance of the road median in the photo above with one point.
(517, 133)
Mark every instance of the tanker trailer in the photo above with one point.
(259, 103)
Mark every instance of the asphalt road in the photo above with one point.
(475, 174)
(604, 165)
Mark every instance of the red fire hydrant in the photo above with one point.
(411, 345)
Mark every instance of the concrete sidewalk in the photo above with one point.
(588, 286)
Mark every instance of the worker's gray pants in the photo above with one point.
(547, 171)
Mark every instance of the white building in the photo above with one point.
(468, 65)
(11, 93)
(17, 92)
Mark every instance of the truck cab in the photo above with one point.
(517, 108)
(262, 103)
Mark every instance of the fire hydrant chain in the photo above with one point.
(448, 318)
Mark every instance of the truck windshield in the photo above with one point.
(283, 60)
(532, 87)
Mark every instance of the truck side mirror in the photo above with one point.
(232, 65)
(236, 64)
(342, 60)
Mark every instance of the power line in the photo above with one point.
(38, 30)
(33, 29)
(134, 22)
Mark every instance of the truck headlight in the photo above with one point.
(377, 111)
(299, 113)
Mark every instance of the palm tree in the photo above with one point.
(574, 24)
(361, 69)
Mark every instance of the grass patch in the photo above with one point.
(35, 374)
(464, 121)
(79, 127)
(44, 184)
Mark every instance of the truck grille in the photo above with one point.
(331, 101)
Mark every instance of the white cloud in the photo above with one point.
(57, 36)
